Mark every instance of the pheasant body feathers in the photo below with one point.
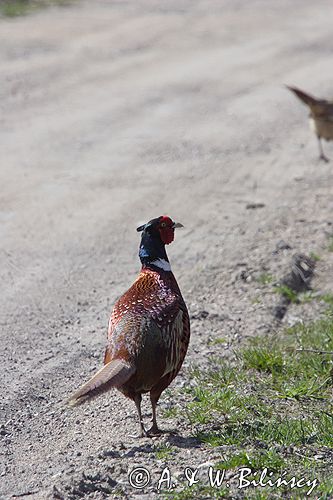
(151, 317)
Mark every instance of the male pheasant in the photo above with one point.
(321, 117)
(149, 329)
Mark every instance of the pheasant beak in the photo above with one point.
(176, 225)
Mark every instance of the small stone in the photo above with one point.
(254, 206)
(282, 245)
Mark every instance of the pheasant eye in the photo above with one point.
(163, 224)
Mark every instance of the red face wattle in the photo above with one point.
(166, 229)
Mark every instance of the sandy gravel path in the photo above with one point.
(112, 113)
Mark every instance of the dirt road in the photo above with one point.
(112, 113)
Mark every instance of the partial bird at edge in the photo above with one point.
(321, 117)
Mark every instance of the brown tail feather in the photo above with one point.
(113, 374)
(306, 98)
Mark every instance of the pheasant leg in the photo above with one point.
(137, 400)
(321, 151)
(154, 430)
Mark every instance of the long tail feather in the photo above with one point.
(303, 96)
(113, 374)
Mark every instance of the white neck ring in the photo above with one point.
(162, 264)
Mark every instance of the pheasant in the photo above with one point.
(321, 117)
(149, 329)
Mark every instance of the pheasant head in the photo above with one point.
(155, 235)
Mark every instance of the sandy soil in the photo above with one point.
(113, 113)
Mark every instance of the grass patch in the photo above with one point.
(314, 256)
(256, 300)
(327, 298)
(217, 341)
(265, 278)
(330, 244)
(263, 359)
(306, 297)
(287, 292)
(275, 430)
(256, 460)
(17, 8)
(170, 412)
(163, 452)
(271, 407)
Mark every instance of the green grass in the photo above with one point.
(330, 244)
(170, 412)
(327, 298)
(287, 292)
(163, 451)
(273, 430)
(263, 358)
(217, 341)
(15, 8)
(314, 256)
(256, 460)
(307, 297)
(265, 278)
(273, 397)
